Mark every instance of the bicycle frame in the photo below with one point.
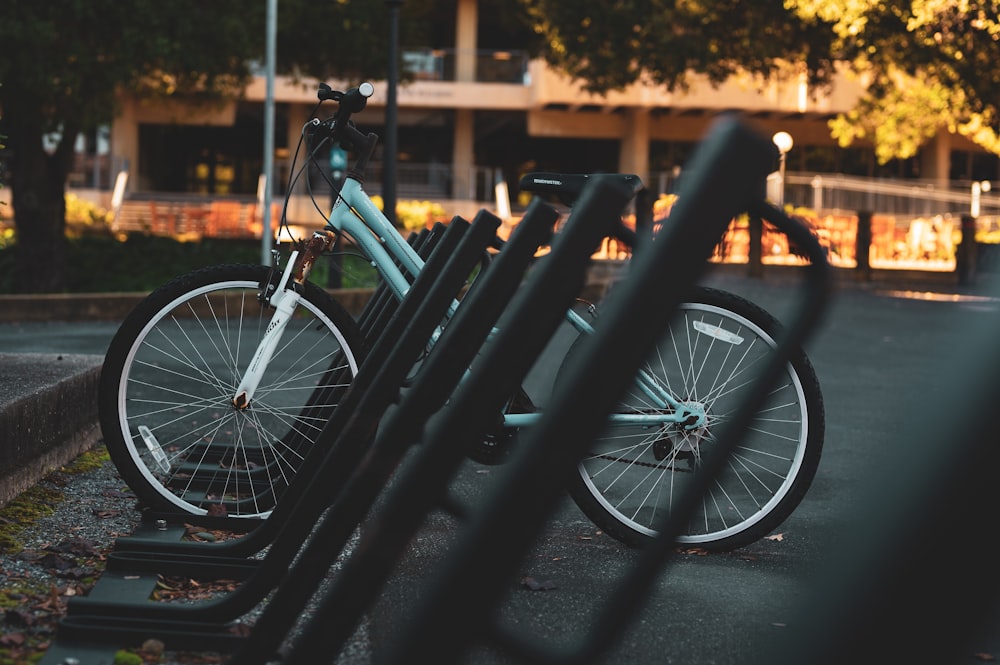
(355, 215)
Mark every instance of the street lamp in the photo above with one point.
(391, 115)
(978, 188)
(784, 143)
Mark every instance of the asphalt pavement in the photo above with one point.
(884, 357)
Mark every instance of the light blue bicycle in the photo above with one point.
(207, 378)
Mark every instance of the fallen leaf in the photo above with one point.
(534, 585)
(204, 536)
(241, 629)
(19, 618)
(777, 536)
(153, 647)
(105, 514)
(112, 493)
(75, 546)
(218, 510)
(696, 551)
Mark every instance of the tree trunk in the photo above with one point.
(38, 197)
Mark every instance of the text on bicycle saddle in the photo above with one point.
(568, 186)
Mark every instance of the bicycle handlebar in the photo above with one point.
(340, 128)
(352, 101)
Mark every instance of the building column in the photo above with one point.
(298, 116)
(466, 26)
(633, 156)
(124, 140)
(463, 155)
(935, 159)
(300, 205)
(463, 152)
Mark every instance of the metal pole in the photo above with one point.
(783, 141)
(391, 114)
(977, 192)
(781, 192)
(266, 231)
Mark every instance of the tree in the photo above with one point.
(345, 39)
(64, 61)
(62, 64)
(609, 45)
(929, 64)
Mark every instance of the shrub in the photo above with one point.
(84, 217)
(139, 263)
(413, 215)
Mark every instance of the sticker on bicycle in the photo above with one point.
(154, 447)
(717, 332)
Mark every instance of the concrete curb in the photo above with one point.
(48, 415)
(112, 306)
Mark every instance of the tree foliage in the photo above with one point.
(64, 61)
(609, 45)
(61, 65)
(928, 64)
(345, 39)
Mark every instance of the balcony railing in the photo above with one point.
(914, 224)
(889, 197)
(491, 66)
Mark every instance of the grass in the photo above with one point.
(34, 503)
(39, 501)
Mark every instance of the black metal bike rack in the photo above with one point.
(457, 605)
(367, 442)
(925, 585)
(118, 607)
(105, 613)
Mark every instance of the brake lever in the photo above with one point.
(325, 93)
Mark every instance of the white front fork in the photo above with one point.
(284, 301)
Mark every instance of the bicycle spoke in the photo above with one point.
(707, 361)
(188, 444)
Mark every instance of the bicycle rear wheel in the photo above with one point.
(170, 374)
(632, 475)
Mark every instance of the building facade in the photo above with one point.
(472, 117)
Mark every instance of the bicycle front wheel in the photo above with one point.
(633, 475)
(170, 374)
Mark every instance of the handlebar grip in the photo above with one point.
(356, 99)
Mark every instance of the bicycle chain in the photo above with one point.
(633, 462)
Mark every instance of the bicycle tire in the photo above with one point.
(170, 374)
(630, 475)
